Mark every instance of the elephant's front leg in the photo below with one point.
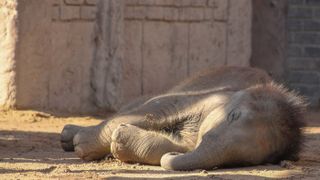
(133, 144)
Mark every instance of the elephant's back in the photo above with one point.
(235, 78)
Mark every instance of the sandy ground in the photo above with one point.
(30, 149)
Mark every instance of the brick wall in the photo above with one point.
(303, 55)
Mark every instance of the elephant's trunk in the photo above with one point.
(205, 156)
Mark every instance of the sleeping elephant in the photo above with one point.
(227, 116)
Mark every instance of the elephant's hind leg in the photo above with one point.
(67, 135)
(92, 143)
(133, 144)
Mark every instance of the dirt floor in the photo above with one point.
(30, 149)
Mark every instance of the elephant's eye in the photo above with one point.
(234, 115)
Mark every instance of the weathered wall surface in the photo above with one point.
(269, 37)
(179, 38)
(8, 39)
(54, 54)
(162, 42)
(106, 67)
(304, 48)
(80, 56)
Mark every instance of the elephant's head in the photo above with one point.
(257, 125)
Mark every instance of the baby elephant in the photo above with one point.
(227, 116)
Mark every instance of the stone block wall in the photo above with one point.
(304, 48)
(54, 54)
(86, 55)
(74, 10)
(168, 40)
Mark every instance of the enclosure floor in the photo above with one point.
(30, 149)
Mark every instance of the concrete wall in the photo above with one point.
(304, 48)
(269, 37)
(77, 56)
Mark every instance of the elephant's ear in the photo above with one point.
(294, 108)
(289, 121)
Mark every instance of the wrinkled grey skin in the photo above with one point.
(226, 116)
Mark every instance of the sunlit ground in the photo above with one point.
(29, 148)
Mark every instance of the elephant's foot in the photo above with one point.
(133, 144)
(67, 135)
(92, 143)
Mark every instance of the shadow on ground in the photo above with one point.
(30, 147)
